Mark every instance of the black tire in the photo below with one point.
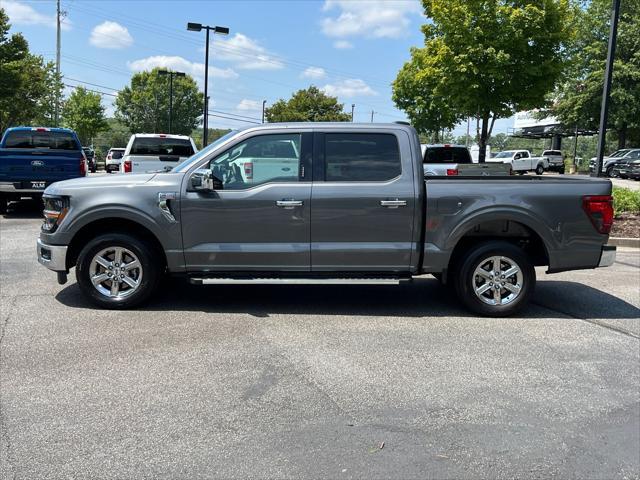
(562, 171)
(465, 279)
(609, 172)
(3, 205)
(151, 272)
(539, 170)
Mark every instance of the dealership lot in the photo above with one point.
(309, 381)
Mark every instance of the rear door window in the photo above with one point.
(49, 140)
(361, 157)
(447, 155)
(162, 146)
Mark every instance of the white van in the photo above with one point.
(149, 152)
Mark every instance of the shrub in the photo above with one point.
(625, 200)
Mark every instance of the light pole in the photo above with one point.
(264, 103)
(604, 111)
(353, 106)
(196, 27)
(171, 75)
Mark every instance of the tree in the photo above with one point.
(27, 83)
(579, 98)
(487, 59)
(84, 113)
(144, 105)
(310, 105)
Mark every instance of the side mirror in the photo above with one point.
(203, 180)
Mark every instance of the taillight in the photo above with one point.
(83, 165)
(452, 171)
(126, 166)
(248, 170)
(599, 209)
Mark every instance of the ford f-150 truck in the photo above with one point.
(521, 161)
(32, 158)
(357, 209)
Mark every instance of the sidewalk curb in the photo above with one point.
(624, 242)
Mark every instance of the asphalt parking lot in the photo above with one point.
(316, 381)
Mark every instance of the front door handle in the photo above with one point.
(288, 204)
(393, 203)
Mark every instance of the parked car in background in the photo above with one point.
(452, 160)
(609, 162)
(358, 210)
(32, 158)
(149, 152)
(554, 159)
(521, 161)
(113, 160)
(91, 158)
(633, 171)
(617, 168)
(625, 168)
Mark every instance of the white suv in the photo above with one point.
(148, 152)
(113, 160)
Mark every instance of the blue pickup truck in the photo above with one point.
(32, 158)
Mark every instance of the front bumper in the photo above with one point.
(54, 257)
(608, 256)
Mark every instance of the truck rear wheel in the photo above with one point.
(3, 204)
(494, 279)
(539, 169)
(118, 271)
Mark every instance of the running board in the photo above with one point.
(298, 281)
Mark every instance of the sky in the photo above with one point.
(351, 49)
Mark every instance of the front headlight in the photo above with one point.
(55, 209)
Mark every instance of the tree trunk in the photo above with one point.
(482, 144)
(622, 136)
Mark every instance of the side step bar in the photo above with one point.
(298, 281)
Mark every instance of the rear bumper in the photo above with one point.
(10, 187)
(608, 256)
(54, 257)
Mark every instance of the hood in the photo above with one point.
(101, 181)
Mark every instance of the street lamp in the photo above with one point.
(197, 27)
(171, 75)
(264, 103)
(353, 106)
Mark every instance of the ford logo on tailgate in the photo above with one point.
(37, 163)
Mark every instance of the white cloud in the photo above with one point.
(245, 53)
(181, 65)
(21, 14)
(369, 18)
(315, 73)
(246, 105)
(352, 87)
(110, 35)
(342, 44)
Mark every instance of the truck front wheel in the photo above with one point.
(494, 279)
(118, 271)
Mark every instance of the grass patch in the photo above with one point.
(625, 200)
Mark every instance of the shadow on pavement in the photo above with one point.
(424, 297)
(27, 208)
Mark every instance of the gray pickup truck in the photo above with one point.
(325, 203)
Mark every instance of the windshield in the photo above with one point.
(161, 146)
(504, 155)
(203, 153)
(619, 153)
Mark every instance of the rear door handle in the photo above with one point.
(393, 203)
(288, 204)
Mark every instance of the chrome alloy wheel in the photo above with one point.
(497, 280)
(115, 272)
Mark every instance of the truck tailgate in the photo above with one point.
(38, 165)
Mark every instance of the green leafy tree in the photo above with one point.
(310, 105)
(84, 113)
(580, 96)
(487, 58)
(214, 134)
(144, 105)
(29, 87)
